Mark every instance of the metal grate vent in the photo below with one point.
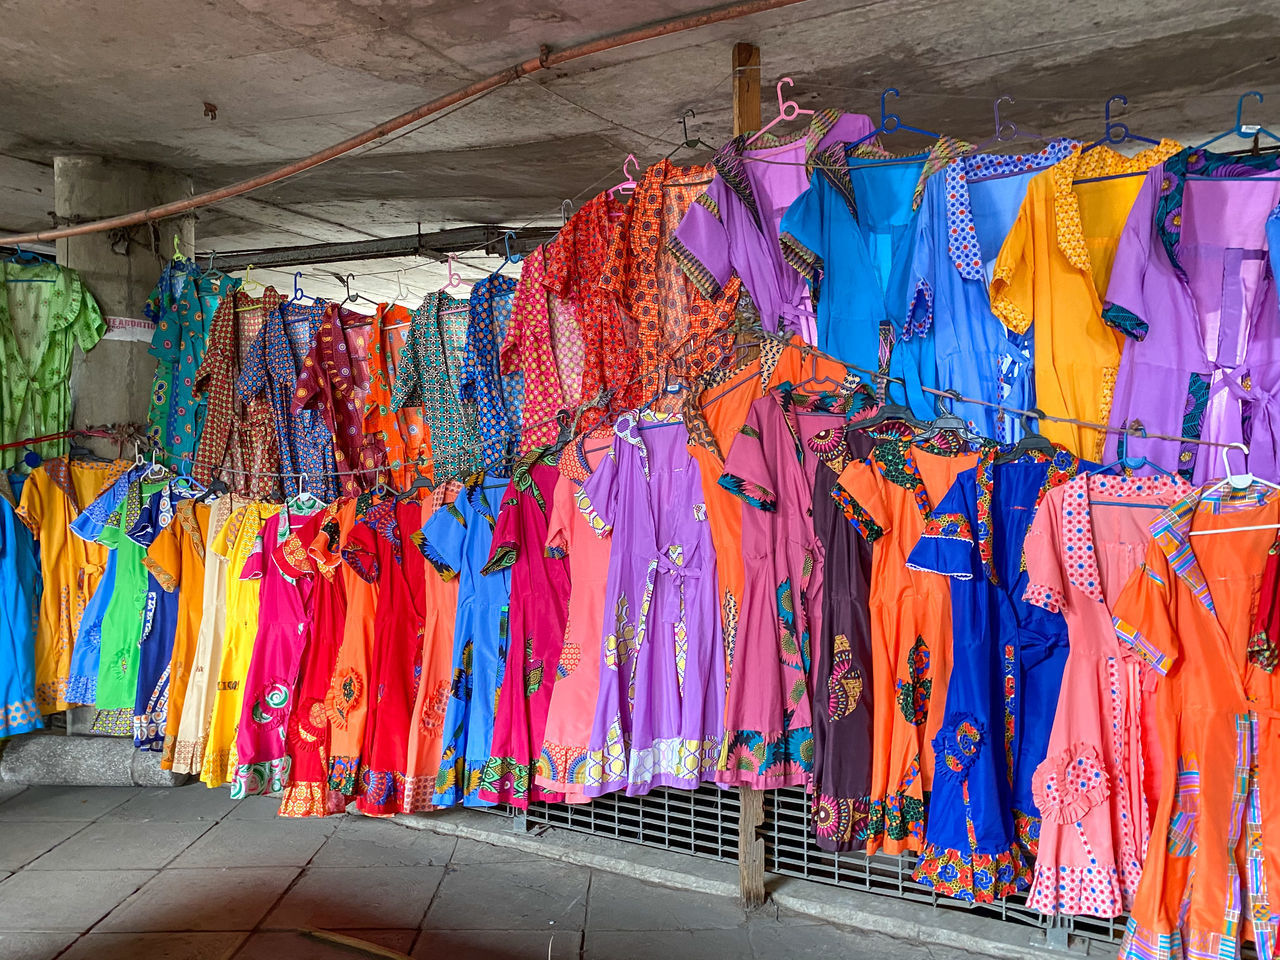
(705, 823)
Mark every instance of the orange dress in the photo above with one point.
(1215, 840)
(889, 497)
(70, 567)
(176, 559)
(403, 432)
(426, 731)
(347, 702)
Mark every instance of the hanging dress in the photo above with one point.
(659, 719)
(19, 604)
(498, 397)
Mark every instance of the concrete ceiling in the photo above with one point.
(292, 76)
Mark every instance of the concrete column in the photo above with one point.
(112, 384)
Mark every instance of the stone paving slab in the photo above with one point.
(251, 808)
(155, 946)
(727, 944)
(195, 801)
(214, 899)
(255, 843)
(510, 896)
(33, 946)
(295, 946)
(50, 901)
(501, 945)
(22, 843)
(64, 803)
(370, 842)
(357, 897)
(620, 903)
(474, 851)
(122, 845)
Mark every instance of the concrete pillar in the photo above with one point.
(112, 384)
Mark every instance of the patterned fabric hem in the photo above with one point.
(255, 779)
(381, 792)
(671, 761)
(1076, 891)
(804, 260)
(562, 767)
(841, 824)
(342, 774)
(311, 799)
(20, 716)
(417, 794)
(438, 563)
(855, 514)
(954, 575)
(1143, 943)
(971, 877)
(82, 691)
(767, 761)
(188, 755)
(168, 582)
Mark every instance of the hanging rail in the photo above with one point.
(545, 59)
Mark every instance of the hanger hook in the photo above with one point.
(565, 207)
(506, 244)
(787, 109)
(1007, 125)
(631, 158)
(346, 283)
(297, 285)
(399, 285)
(889, 121)
(1240, 110)
(684, 124)
(1116, 131)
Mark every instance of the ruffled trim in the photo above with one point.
(1005, 310)
(1076, 891)
(973, 878)
(1070, 784)
(255, 779)
(1045, 596)
(958, 745)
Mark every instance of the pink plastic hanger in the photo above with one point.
(787, 110)
(628, 185)
(454, 279)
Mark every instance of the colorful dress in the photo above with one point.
(284, 620)
(400, 435)
(659, 720)
(562, 764)
(1193, 288)
(889, 497)
(70, 568)
(538, 610)
(498, 397)
(948, 337)
(732, 227)
(1188, 615)
(382, 549)
(1088, 537)
(456, 541)
(19, 605)
(771, 468)
(1006, 673)
(1052, 271)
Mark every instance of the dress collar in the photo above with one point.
(844, 403)
(628, 426)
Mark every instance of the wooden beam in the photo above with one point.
(750, 847)
(746, 87)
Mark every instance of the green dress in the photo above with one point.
(40, 323)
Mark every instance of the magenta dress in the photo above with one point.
(1192, 286)
(659, 719)
(284, 623)
(537, 612)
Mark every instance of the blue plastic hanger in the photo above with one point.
(1240, 129)
(1117, 131)
(29, 258)
(890, 122)
(510, 257)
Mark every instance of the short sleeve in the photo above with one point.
(255, 566)
(860, 494)
(361, 552)
(505, 547)
(1126, 307)
(226, 535)
(597, 498)
(1012, 296)
(443, 538)
(947, 545)
(1042, 548)
(89, 327)
(700, 244)
(253, 369)
(802, 234)
(560, 522)
(164, 559)
(31, 503)
(292, 557)
(1141, 616)
(748, 473)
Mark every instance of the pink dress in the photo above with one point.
(1090, 788)
(562, 764)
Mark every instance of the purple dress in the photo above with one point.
(659, 718)
(1192, 286)
(733, 226)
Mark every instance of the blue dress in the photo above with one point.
(499, 399)
(1006, 672)
(947, 337)
(19, 605)
(456, 541)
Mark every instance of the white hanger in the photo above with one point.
(1239, 482)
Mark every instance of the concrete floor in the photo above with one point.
(188, 874)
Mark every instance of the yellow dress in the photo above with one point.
(52, 496)
(1053, 271)
(235, 542)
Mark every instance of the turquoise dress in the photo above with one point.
(456, 542)
(19, 604)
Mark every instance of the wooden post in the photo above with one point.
(746, 116)
(746, 88)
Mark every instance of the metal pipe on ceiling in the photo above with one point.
(546, 59)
